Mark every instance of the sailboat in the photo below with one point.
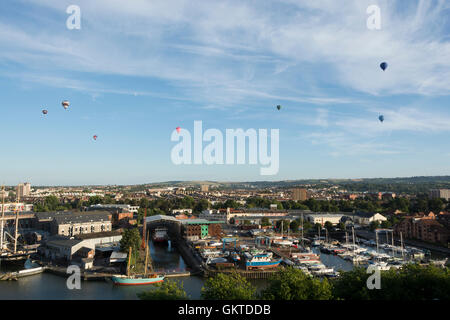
(135, 280)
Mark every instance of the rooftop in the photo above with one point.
(96, 235)
(200, 221)
(81, 217)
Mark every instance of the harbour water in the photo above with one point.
(48, 286)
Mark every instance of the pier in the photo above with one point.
(254, 274)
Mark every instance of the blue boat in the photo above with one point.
(262, 261)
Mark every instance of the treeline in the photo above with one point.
(163, 206)
(412, 282)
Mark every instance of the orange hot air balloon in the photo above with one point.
(178, 129)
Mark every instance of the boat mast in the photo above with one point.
(148, 256)
(393, 247)
(3, 218)
(353, 235)
(129, 262)
(401, 246)
(17, 225)
(376, 236)
(146, 261)
(302, 232)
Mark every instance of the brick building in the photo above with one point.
(428, 227)
(195, 229)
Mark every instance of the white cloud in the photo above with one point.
(228, 52)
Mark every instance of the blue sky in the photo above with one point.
(134, 73)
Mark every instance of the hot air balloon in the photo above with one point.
(384, 66)
(381, 118)
(178, 129)
(95, 137)
(65, 104)
(278, 107)
(44, 111)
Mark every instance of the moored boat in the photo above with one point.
(136, 280)
(262, 261)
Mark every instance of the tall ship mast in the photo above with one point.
(136, 280)
(3, 218)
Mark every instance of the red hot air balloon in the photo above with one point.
(95, 137)
(178, 129)
(65, 104)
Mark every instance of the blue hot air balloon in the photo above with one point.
(384, 66)
(381, 118)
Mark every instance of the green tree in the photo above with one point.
(130, 238)
(282, 224)
(328, 225)
(167, 290)
(307, 226)
(203, 204)
(436, 205)
(374, 225)
(228, 287)
(95, 200)
(386, 224)
(144, 203)
(411, 282)
(294, 284)
(265, 222)
(294, 225)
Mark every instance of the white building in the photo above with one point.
(124, 207)
(11, 207)
(365, 218)
(23, 189)
(322, 218)
(181, 211)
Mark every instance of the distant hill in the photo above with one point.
(420, 184)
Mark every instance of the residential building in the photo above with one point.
(195, 229)
(440, 193)
(430, 228)
(79, 223)
(23, 189)
(299, 194)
